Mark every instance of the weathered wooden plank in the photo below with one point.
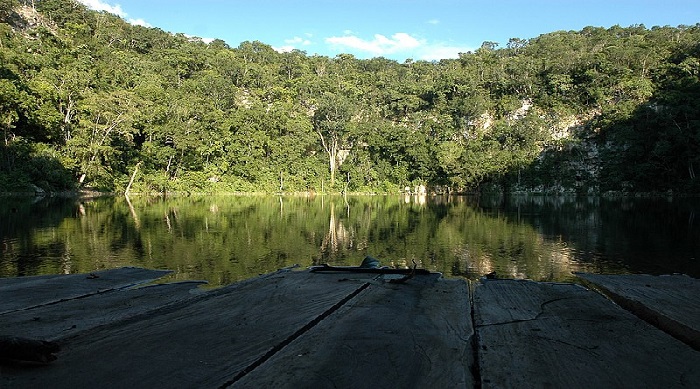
(566, 336)
(670, 302)
(52, 289)
(415, 334)
(204, 342)
(68, 318)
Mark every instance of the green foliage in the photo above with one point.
(100, 96)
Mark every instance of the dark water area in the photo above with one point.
(223, 239)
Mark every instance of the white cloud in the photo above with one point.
(297, 41)
(139, 22)
(294, 44)
(399, 45)
(99, 5)
(195, 38)
(433, 21)
(284, 49)
(379, 46)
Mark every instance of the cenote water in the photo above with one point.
(223, 239)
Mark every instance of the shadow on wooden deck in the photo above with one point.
(336, 329)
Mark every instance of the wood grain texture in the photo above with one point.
(72, 316)
(565, 336)
(416, 334)
(669, 302)
(53, 289)
(201, 343)
(298, 329)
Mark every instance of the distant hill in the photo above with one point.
(88, 101)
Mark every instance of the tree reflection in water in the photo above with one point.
(224, 239)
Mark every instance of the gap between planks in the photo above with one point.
(277, 348)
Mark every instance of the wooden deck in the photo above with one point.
(298, 329)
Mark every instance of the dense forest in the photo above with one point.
(88, 101)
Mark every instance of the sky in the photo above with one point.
(394, 29)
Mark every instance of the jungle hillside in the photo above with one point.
(90, 102)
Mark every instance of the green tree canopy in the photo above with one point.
(597, 109)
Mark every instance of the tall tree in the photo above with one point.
(331, 120)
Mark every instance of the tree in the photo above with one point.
(331, 121)
(100, 96)
(64, 87)
(102, 140)
(9, 96)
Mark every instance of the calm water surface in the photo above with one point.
(223, 239)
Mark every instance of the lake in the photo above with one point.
(223, 239)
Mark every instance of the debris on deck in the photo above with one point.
(335, 328)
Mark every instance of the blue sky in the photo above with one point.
(394, 29)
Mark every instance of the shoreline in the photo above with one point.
(94, 194)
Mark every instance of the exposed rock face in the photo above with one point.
(24, 18)
(569, 154)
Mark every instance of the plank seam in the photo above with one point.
(139, 283)
(474, 343)
(170, 306)
(76, 297)
(672, 327)
(274, 350)
(116, 287)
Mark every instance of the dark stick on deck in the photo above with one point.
(370, 270)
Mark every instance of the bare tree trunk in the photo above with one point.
(9, 158)
(331, 148)
(332, 163)
(131, 181)
(68, 113)
(691, 170)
